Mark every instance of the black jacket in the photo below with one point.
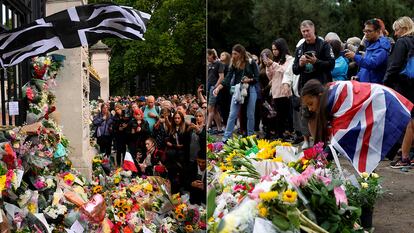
(323, 66)
(398, 59)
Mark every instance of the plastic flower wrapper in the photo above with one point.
(240, 219)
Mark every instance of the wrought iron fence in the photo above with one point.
(13, 14)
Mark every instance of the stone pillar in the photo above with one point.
(72, 97)
(100, 62)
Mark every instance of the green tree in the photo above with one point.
(173, 51)
(256, 23)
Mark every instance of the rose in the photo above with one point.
(310, 153)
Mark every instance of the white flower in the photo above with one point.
(50, 183)
(375, 175)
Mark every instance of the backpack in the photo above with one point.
(409, 67)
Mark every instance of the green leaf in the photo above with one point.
(211, 202)
(293, 217)
(281, 222)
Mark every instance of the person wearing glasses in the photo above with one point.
(374, 63)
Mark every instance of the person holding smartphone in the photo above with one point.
(314, 59)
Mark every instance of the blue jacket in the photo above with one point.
(339, 73)
(374, 64)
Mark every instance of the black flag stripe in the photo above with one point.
(74, 27)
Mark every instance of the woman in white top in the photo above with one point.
(276, 65)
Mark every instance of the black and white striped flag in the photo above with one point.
(74, 27)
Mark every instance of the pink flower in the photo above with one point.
(302, 179)
(325, 180)
(340, 195)
(266, 177)
(39, 184)
(29, 93)
(9, 177)
(238, 187)
(254, 195)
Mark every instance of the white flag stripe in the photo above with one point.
(73, 14)
(44, 46)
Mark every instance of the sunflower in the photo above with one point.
(180, 217)
(126, 208)
(97, 189)
(189, 228)
(121, 214)
(178, 211)
(122, 202)
(267, 196)
(116, 202)
(290, 196)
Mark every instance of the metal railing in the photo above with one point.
(13, 14)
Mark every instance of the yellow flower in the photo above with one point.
(278, 159)
(121, 214)
(2, 182)
(97, 189)
(189, 228)
(148, 187)
(117, 180)
(126, 208)
(47, 62)
(31, 207)
(97, 160)
(364, 175)
(178, 211)
(364, 185)
(289, 196)
(211, 219)
(267, 196)
(286, 144)
(263, 212)
(69, 177)
(375, 175)
(227, 189)
(179, 217)
(222, 177)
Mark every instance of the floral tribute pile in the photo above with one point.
(41, 192)
(262, 186)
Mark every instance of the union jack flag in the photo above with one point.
(74, 27)
(368, 119)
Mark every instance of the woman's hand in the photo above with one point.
(216, 90)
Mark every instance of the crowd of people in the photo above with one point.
(166, 136)
(265, 91)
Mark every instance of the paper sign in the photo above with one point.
(13, 108)
(1, 216)
(19, 176)
(146, 230)
(76, 228)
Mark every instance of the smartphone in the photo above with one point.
(309, 53)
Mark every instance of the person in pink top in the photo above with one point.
(276, 65)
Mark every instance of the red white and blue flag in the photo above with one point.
(368, 119)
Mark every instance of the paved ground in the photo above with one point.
(393, 212)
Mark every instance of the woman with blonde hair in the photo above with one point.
(403, 49)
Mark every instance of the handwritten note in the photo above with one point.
(13, 108)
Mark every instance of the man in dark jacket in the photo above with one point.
(314, 59)
(197, 180)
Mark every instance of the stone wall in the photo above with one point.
(72, 95)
